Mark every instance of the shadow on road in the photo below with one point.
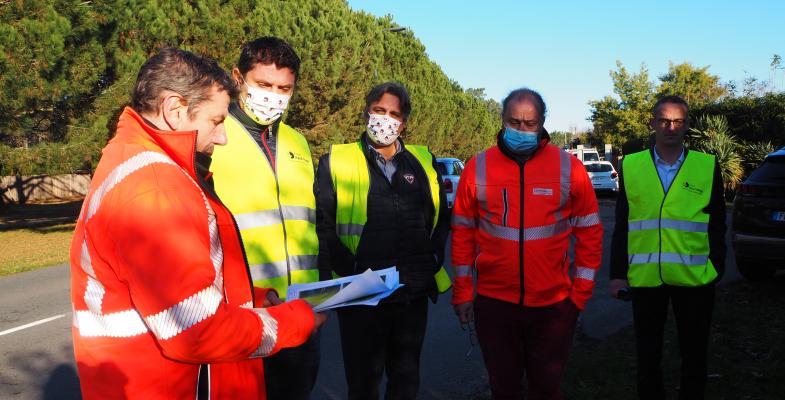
(58, 378)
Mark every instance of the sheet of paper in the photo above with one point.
(367, 288)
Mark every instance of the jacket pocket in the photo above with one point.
(506, 204)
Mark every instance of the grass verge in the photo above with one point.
(32, 248)
(746, 351)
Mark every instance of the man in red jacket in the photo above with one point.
(163, 303)
(517, 205)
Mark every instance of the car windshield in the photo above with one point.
(591, 157)
(449, 167)
(772, 170)
(598, 168)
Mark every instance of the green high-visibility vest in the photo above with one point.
(275, 210)
(668, 240)
(352, 182)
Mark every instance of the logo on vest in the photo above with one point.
(297, 157)
(409, 178)
(542, 192)
(692, 188)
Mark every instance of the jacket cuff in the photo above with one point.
(260, 295)
(285, 325)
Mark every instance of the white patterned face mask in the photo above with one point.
(382, 129)
(265, 105)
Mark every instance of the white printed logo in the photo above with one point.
(542, 192)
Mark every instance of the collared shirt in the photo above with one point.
(667, 171)
(388, 167)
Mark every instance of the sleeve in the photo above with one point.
(464, 230)
(587, 230)
(619, 257)
(164, 254)
(717, 226)
(333, 255)
(442, 229)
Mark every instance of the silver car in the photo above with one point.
(450, 169)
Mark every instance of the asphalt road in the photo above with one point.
(37, 362)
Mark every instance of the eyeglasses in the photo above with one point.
(469, 328)
(665, 122)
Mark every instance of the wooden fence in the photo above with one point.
(42, 188)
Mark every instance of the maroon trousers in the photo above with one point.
(515, 339)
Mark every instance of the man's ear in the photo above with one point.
(174, 110)
(238, 77)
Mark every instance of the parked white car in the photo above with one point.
(451, 169)
(603, 176)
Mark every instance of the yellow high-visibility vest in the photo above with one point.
(351, 181)
(668, 240)
(275, 210)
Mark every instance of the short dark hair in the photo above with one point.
(518, 94)
(673, 99)
(185, 73)
(268, 50)
(394, 88)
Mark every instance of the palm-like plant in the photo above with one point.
(711, 135)
(753, 154)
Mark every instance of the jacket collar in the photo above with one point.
(180, 146)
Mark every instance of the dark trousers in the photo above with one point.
(386, 338)
(692, 307)
(515, 339)
(291, 373)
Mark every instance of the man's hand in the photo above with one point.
(319, 319)
(617, 284)
(464, 311)
(272, 299)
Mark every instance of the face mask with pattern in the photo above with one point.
(382, 129)
(265, 105)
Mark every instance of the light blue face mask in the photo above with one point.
(519, 141)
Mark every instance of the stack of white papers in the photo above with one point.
(365, 289)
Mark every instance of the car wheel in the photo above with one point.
(754, 270)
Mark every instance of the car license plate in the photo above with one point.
(778, 216)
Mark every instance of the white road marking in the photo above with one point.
(32, 324)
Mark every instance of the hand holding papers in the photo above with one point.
(367, 289)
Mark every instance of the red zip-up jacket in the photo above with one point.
(159, 282)
(512, 224)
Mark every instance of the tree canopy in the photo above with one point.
(67, 68)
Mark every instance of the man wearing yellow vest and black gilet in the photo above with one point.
(669, 246)
(265, 175)
(380, 204)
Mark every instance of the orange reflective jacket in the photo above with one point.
(159, 284)
(512, 224)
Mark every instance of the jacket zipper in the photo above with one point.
(506, 207)
(659, 219)
(520, 231)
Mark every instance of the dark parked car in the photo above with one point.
(759, 219)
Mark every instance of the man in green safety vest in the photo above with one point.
(265, 176)
(669, 246)
(380, 204)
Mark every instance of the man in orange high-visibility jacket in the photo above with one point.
(517, 205)
(162, 298)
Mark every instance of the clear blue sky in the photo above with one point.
(565, 49)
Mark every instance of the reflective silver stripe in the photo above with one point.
(480, 181)
(463, 222)
(585, 221)
(247, 305)
(259, 219)
(533, 233)
(685, 259)
(127, 323)
(120, 324)
(565, 176)
(462, 270)
(299, 213)
(277, 269)
(269, 333)
(185, 314)
(499, 231)
(687, 226)
(585, 273)
(349, 229)
(546, 231)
